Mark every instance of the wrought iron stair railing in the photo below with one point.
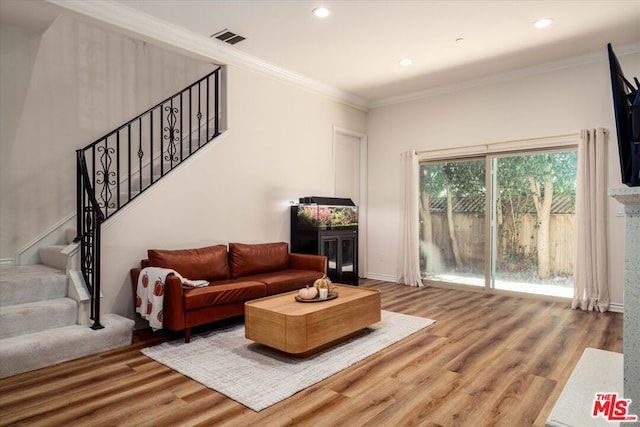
(118, 167)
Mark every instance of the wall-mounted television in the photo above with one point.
(626, 106)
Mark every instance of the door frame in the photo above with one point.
(362, 191)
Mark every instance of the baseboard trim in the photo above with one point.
(383, 277)
(6, 261)
(616, 308)
(613, 307)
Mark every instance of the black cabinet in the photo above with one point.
(341, 250)
(330, 230)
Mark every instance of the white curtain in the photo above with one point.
(409, 260)
(591, 288)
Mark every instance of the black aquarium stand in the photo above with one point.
(328, 226)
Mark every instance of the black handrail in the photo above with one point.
(89, 219)
(118, 167)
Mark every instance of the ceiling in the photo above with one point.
(357, 48)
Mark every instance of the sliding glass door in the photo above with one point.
(533, 231)
(500, 221)
(452, 221)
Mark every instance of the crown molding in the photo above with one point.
(511, 75)
(140, 25)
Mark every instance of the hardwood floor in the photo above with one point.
(488, 360)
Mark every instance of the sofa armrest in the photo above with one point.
(308, 262)
(173, 311)
(135, 274)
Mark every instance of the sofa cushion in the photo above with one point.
(209, 263)
(246, 259)
(223, 294)
(286, 280)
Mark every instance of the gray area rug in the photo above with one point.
(257, 376)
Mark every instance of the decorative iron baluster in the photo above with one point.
(181, 127)
(217, 106)
(190, 128)
(150, 147)
(129, 166)
(93, 167)
(172, 135)
(199, 115)
(118, 169)
(161, 143)
(140, 152)
(105, 177)
(87, 246)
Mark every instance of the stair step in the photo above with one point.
(30, 283)
(47, 348)
(53, 257)
(32, 317)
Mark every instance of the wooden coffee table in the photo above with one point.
(303, 328)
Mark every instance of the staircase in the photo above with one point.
(43, 318)
(50, 312)
(118, 167)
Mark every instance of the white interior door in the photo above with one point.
(349, 166)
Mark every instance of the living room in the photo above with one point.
(278, 145)
(269, 123)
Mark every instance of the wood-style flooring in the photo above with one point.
(488, 360)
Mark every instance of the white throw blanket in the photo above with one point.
(150, 293)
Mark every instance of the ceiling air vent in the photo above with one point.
(227, 36)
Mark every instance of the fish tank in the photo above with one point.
(328, 226)
(325, 213)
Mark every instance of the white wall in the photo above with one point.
(278, 148)
(553, 103)
(61, 90)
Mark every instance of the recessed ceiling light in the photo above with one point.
(544, 22)
(321, 12)
(405, 62)
(459, 39)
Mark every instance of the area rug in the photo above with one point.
(257, 376)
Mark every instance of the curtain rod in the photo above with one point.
(515, 141)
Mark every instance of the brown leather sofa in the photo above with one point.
(239, 274)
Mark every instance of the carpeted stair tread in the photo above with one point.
(38, 350)
(29, 283)
(28, 318)
(53, 256)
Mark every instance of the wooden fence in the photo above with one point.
(470, 232)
